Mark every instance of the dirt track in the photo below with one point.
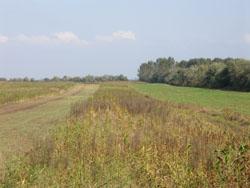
(11, 108)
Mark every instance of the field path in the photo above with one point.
(22, 123)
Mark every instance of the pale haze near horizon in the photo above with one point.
(43, 38)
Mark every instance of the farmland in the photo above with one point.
(124, 94)
(209, 98)
(25, 122)
(120, 137)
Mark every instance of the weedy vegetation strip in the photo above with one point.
(120, 138)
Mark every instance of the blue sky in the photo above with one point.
(43, 38)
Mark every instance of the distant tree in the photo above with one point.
(147, 71)
(122, 78)
(26, 79)
(223, 78)
(3, 79)
(76, 79)
(217, 60)
(89, 79)
(226, 73)
(163, 69)
(55, 79)
(66, 78)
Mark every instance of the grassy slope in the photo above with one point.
(17, 130)
(236, 101)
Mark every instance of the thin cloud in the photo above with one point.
(129, 35)
(39, 39)
(247, 38)
(69, 37)
(117, 35)
(60, 37)
(3, 39)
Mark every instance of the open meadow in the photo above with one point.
(24, 122)
(120, 137)
(209, 98)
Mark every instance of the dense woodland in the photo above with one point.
(229, 73)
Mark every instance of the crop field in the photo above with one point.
(120, 137)
(19, 91)
(210, 98)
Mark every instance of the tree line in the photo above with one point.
(228, 73)
(84, 79)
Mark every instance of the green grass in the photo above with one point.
(18, 130)
(217, 99)
(19, 91)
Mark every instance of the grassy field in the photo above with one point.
(21, 128)
(213, 99)
(19, 91)
(121, 138)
